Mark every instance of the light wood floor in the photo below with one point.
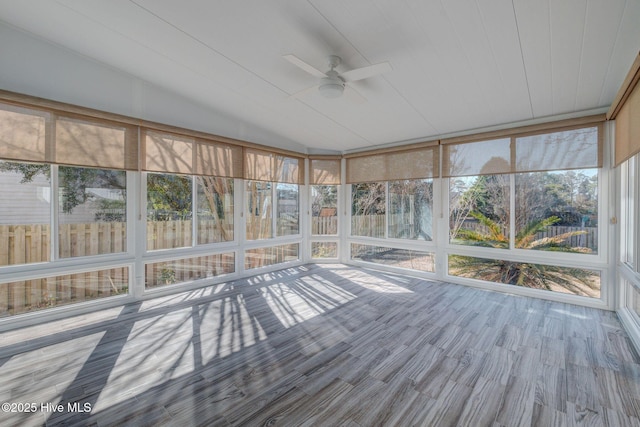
(324, 346)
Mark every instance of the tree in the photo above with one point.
(368, 206)
(521, 273)
(323, 196)
(72, 181)
(168, 197)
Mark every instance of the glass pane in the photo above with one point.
(324, 210)
(569, 280)
(188, 269)
(259, 219)
(25, 213)
(557, 211)
(92, 216)
(633, 296)
(368, 209)
(403, 258)
(324, 249)
(169, 211)
(262, 257)
(215, 209)
(628, 210)
(411, 209)
(38, 294)
(479, 211)
(288, 209)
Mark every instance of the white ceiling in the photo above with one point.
(458, 65)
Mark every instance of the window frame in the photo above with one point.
(324, 238)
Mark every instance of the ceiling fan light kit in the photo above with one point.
(331, 87)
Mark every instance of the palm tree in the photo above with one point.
(522, 273)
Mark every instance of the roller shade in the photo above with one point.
(168, 153)
(477, 158)
(258, 165)
(394, 166)
(626, 112)
(262, 165)
(95, 144)
(218, 159)
(559, 149)
(324, 171)
(39, 136)
(23, 133)
(569, 149)
(289, 170)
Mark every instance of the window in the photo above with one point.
(23, 296)
(321, 250)
(570, 280)
(557, 211)
(532, 192)
(270, 255)
(260, 219)
(368, 209)
(479, 212)
(259, 210)
(629, 215)
(287, 209)
(215, 209)
(411, 210)
(169, 211)
(394, 257)
(188, 269)
(324, 210)
(25, 213)
(324, 178)
(91, 211)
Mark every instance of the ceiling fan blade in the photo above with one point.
(365, 72)
(303, 92)
(304, 66)
(353, 95)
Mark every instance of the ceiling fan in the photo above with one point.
(332, 84)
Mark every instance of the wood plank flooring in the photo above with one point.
(325, 345)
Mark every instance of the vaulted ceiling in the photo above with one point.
(457, 65)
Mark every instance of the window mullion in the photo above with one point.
(387, 210)
(636, 211)
(194, 211)
(512, 210)
(274, 209)
(55, 203)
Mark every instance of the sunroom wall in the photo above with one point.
(230, 257)
(595, 265)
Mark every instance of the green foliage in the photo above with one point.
(28, 170)
(169, 196)
(515, 272)
(539, 276)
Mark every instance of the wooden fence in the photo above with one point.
(26, 244)
(324, 225)
(588, 237)
(374, 226)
